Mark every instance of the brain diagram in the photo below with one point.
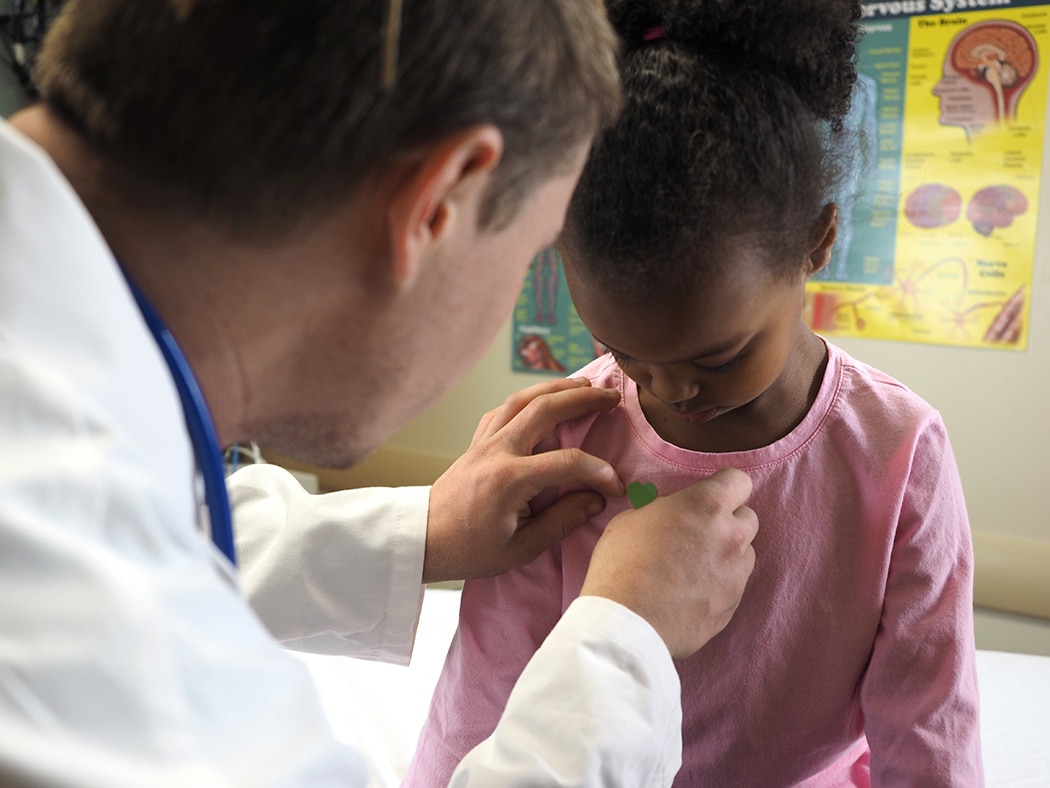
(995, 206)
(999, 55)
(934, 205)
(995, 50)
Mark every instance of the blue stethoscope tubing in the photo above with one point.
(201, 428)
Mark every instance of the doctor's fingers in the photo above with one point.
(530, 475)
(553, 524)
(682, 562)
(710, 517)
(721, 498)
(528, 416)
(498, 417)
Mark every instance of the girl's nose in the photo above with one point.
(673, 384)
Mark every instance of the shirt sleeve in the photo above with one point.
(919, 696)
(338, 573)
(599, 704)
(503, 621)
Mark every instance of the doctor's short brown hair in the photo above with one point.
(259, 114)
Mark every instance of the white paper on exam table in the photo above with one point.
(1015, 703)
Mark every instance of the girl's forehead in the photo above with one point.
(678, 323)
(724, 291)
(726, 265)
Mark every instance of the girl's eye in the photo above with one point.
(619, 358)
(721, 368)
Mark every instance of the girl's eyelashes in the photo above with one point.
(719, 369)
(618, 357)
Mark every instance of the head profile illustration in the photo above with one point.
(986, 69)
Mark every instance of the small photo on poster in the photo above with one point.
(548, 336)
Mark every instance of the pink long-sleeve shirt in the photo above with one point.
(850, 660)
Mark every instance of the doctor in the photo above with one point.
(330, 206)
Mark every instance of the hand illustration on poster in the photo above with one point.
(1006, 326)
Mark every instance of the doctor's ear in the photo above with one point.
(443, 188)
(822, 239)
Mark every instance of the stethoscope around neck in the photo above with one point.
(200, 426)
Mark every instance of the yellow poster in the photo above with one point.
(937, 238)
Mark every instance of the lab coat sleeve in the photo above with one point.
(338, 573)
(599, 704)
(126, 657)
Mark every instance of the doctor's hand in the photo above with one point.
(480, 523)
(682, 561)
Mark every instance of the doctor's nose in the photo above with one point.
(673, 384)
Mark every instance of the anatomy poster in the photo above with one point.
(548, 335)
(938, 216)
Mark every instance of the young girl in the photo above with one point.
(696, 224)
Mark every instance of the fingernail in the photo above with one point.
(609, 476)
(596, 506)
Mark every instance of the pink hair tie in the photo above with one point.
(653, 34)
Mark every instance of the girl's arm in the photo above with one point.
(919, 695)
(502, 623)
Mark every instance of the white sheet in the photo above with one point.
(1015, 719)
(400, 696)
(1015, 703)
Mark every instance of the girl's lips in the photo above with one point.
(696, 416)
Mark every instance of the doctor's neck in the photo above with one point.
(241, 310)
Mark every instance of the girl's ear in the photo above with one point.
(823, 238)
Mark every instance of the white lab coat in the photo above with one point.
(128, 656)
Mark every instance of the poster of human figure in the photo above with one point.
(940, 196)
(548, 336)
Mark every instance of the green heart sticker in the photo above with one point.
(640, 494)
